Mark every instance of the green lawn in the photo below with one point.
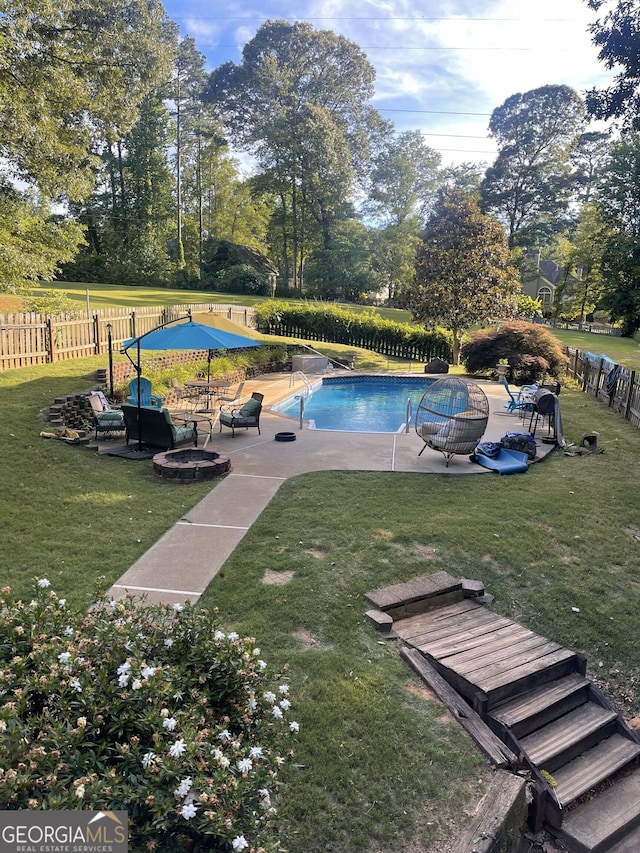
(378, 766)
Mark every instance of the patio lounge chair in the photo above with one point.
(245, 416)
(147, 399)
(107, 420)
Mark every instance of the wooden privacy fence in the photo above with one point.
(32, 338)
(616, 386)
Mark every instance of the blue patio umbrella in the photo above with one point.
(190, 336)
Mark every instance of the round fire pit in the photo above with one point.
(193, 464)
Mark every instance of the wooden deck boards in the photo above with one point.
(484, 652)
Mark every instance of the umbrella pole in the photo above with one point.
(139, 372)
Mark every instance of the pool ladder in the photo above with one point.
(308, 387)
(408, 416)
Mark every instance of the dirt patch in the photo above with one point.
(421, 690)
(385, 535)
(316, 552)
(308, 640)
(277, 578)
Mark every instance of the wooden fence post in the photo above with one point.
(50, 343)
(96, 334)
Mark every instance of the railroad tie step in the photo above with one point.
(542, 705)
(564, 739)
(608, 823)
(593, 767)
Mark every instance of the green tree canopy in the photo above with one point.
(68, 68)
(463, 271)
(619, 202)
(529, 184)
(617, 34)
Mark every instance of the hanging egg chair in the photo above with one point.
(452, 416)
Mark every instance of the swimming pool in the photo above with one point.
(359, 403)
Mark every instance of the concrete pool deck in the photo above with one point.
(181, 564)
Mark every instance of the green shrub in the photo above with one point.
(322, 321)
(241, 278)
(146, 708)
(531, 351)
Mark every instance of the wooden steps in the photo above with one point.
(534, 695)
(606, 821)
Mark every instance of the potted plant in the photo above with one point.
(503, 368)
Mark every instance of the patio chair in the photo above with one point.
(187, 398)
(147, 399)
(107, 419)
(517, 402)
(245, 416)
(452, 417)
(235, 397)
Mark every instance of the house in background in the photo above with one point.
(542, 279)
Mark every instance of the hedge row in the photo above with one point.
(325, 322)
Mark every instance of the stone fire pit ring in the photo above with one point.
(190, 465)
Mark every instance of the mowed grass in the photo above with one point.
(379, 766)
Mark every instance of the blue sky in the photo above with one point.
(442, 66)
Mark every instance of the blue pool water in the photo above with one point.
(359, 403)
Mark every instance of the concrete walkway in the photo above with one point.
(184, 560)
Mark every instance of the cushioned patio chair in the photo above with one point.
(452, 417)
(147, 399)
(157, 428)
(107, 419)
(245, 416)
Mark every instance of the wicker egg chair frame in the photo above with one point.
(452, 417)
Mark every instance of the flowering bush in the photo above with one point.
(141, 707)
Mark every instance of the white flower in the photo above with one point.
(68, 631)
(285, 704)
(270, 697)
(220, 757)
(178, 748)
(252, 704)
(294, 727)
(164, 712)
(188, 811)
(265, 798)
(43, 583)
(168, 643)
(284, 689)
(256, 652)
(65, 657)
(169, 724)
(178, 607)
(123, 680)
(148, 759)
(277, 712)
(233, 635)
(255, 752)
(123, 668)
(183, 788)
(262, 665)
(80, 792)
(219, 635)
(3, 726)
(62, 602)
(244, 765)
(81, 722)
(225, 734)
(136, 684)
(239, 843)
(75, 685)
(148, 671)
